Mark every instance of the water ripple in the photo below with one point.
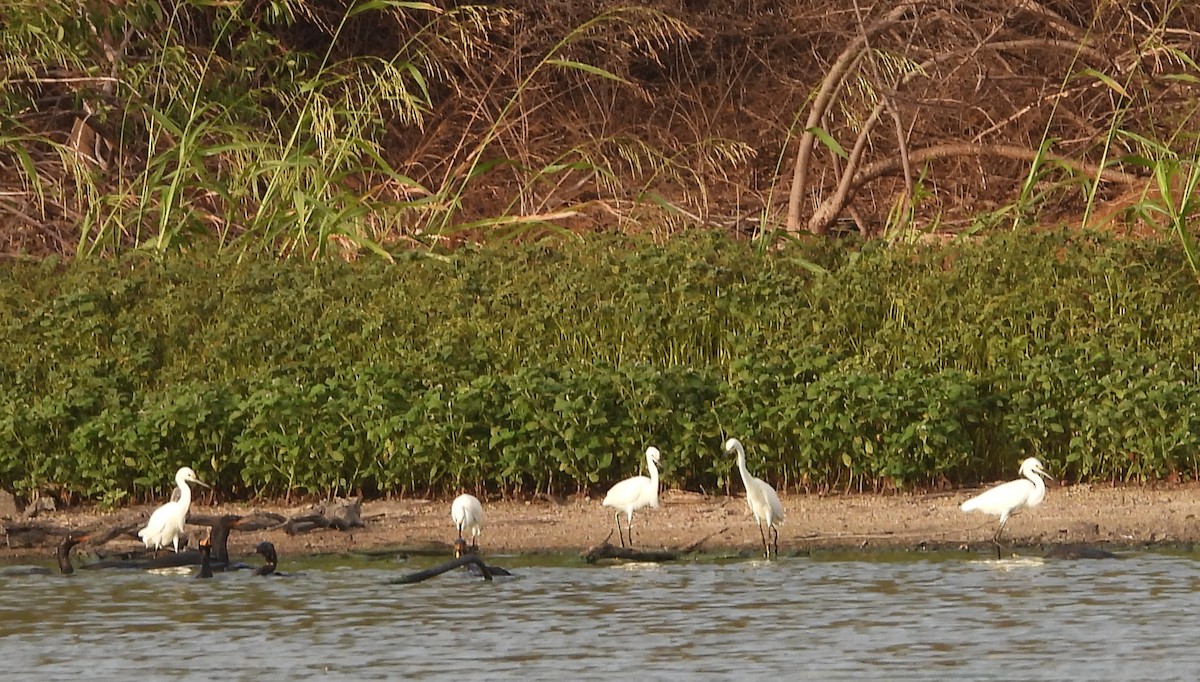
(924, 618)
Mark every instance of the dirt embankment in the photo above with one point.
(1120, 517)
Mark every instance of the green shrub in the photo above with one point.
(523, 368)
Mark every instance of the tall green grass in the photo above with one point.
(283, 127)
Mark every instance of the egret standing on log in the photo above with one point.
(1009, 498)
(634, 493)
(761, 497)
(166, 523)
(467, 513)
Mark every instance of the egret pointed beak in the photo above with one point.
(1046, 476)
(199, 482)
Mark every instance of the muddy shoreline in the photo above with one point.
(1113, 517)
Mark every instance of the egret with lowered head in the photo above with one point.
(634, 493)
(761, 497)
(467, 514)
(1009, 498)
(166, 523)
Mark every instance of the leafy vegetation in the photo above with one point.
(530, 367)
(349, 127)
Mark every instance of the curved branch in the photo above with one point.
(1053, 19)
(829, 87)
(941, 151)
(876, 170)
(828, 211)
(450, 565)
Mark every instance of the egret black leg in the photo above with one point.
(996, 538)
(766, 545)
(629, 527)
(775, 540)
(620, 535)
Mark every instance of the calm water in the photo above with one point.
(869, 617)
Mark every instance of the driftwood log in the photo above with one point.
(606, 551)
(428, 573)
(31, 534)
(340, 514)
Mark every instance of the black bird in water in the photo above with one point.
(270, 559)
(206, 570)
(64, 552)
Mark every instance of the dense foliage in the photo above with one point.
(352, 126)
(514, 368)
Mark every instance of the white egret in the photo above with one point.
(467, 513)
(1009, 498)
(761, 497)
(634, 493)
(166, 523)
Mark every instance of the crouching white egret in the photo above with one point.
(166, 523)
(1009, 498)
(761, 497)
(467, 513)
(634, 493)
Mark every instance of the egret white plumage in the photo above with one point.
(634, 493)
(1009, 498)
(467, 513)
(166, 523)
(761, 497)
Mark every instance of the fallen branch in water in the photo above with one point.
(428, 573)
